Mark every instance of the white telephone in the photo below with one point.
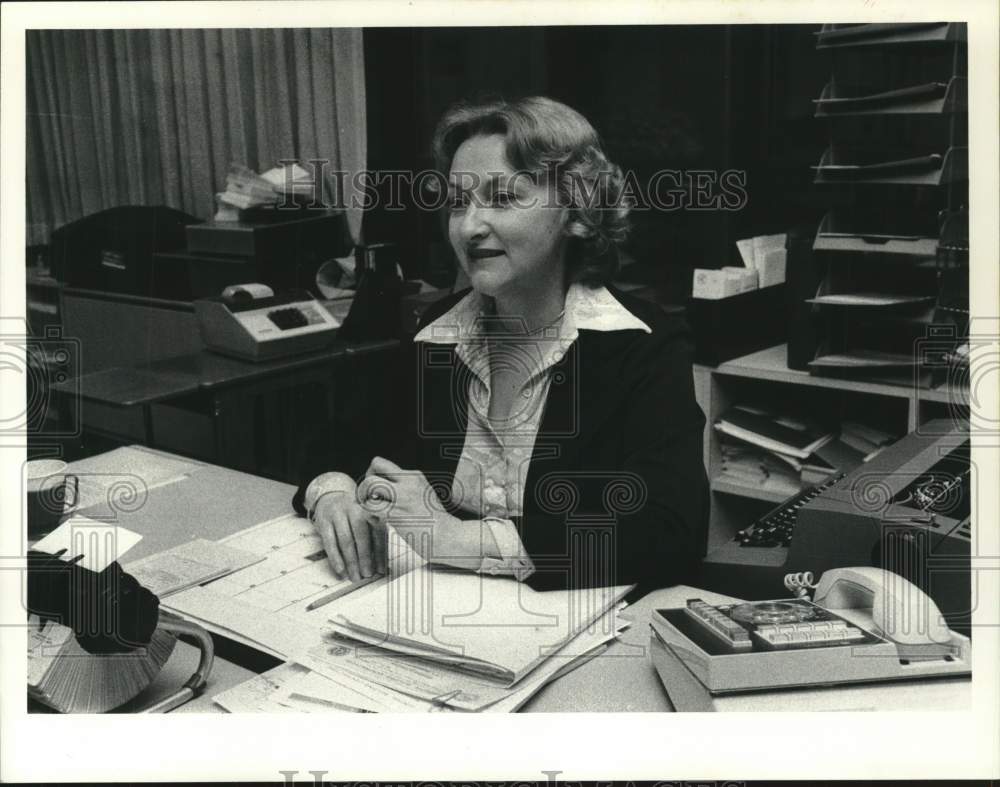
(863, 624)
(900, 611)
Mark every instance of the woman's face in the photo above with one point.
(506, 230)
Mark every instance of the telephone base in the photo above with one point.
(688, 694)
(872, 658)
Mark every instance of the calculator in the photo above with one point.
(264, 328)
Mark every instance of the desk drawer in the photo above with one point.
(179, 430)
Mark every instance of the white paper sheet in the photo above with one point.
(294, 573)
(193, 563)
(272, 633)
(295, 688)
(100, 543)
(288, 688)
(126, 472)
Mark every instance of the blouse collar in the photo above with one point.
(587, 308)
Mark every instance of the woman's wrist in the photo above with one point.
(324, 484)
(324, 498)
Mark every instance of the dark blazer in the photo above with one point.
(616, 490)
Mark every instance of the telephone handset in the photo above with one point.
(900, 611)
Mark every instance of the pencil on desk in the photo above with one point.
(333, 595)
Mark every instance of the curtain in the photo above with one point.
(156, 117)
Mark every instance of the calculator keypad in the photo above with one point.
(818, 632)
(288, 318)
(722, 626)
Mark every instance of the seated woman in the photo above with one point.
(553, 433)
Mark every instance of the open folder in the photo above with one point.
(494, 626)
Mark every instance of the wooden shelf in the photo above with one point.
(736, 504)
(771, 364)
(949, 394)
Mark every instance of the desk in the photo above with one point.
(231, 385)
(212, 502)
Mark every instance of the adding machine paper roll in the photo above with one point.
(253, 290)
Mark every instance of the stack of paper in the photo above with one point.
(765, 254)
(63, 676)
(861, 359)
(780, 453)
(396, 682)
(443, 640)
(246, 189)
(869, 299)
(334, 689)
(780, 434)
(427, 640)
(749, 466)
(494, 626)
(866, 439)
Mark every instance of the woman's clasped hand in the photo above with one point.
(354, 538)
(354, 525)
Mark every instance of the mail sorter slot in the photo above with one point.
(845, 164)
(900, 136)
(886, 334)
(886, 223)
(924, 98)
(738, 325)
(857, 284)
(876, 345)
(889, 33)
(895, 80)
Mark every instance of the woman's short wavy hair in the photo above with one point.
(545, 136)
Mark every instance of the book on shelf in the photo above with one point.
(863, 359)
(781, 434)
(751, 457)
(869, 299)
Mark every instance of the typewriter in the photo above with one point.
(908, 510)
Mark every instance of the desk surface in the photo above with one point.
(212, 502)
(126, 386)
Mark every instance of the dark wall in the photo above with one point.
(710, 98)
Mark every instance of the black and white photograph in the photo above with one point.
(607, 375)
